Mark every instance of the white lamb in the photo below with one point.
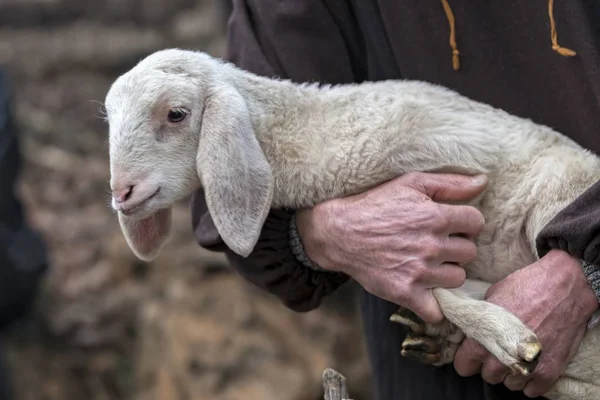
(181, 119)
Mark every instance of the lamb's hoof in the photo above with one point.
(421, 357)
(423, 349)
(424, 344)
(525, 369)
(430, 350)
(409, 319)
(530, 350)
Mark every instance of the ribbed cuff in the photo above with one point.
(592, 273)
(298, 248)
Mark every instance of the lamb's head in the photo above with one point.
(154, 125)
(173, 129)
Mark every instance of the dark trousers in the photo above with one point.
(5, 393)
(396, 378)
(22, 252)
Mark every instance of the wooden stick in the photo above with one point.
(334, 385)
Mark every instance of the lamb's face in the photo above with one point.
(154, 123)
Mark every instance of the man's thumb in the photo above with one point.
(452, 187)
(429, 310)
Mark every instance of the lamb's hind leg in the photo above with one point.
(428, 343)
(496, 329)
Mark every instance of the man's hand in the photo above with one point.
(553, 297)
(395, 240)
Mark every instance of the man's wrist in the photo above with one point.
(314, 229)
(580, 274)
(297, 246)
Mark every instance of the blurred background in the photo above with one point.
(105, 325)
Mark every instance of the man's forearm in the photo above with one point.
(298, 249)
(576, 230)
(271, 266)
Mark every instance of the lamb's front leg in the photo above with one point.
(495, 328)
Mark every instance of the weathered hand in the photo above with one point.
(553, 297)
(395, 240)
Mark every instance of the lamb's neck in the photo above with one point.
(300, 155)
(323, 144)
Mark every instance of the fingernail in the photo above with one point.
(479, 179)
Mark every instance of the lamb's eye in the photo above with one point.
(177, 115)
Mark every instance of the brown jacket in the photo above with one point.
(506, 60)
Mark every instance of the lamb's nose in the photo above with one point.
(121, 195)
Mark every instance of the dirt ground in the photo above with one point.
(107, 326)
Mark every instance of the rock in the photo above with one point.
(230, 343)
(196, 354)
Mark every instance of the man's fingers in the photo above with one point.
(469, 357)
(542, 380)
(535, 389)
(456, 249)
(494, 372)
(516, 382)
(446, 276)
(465, 220)
(448, 187)
(427, 308)
(418, 299)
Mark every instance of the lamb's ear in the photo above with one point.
(237, 179)
(146, 236)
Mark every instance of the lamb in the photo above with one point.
(181, 119)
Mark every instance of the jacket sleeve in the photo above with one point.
(576, 230)
(303, 41)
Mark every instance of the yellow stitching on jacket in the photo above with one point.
(563, 51)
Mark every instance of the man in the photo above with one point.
(22, 252)
(504, 54)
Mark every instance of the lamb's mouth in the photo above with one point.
(130, 211)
